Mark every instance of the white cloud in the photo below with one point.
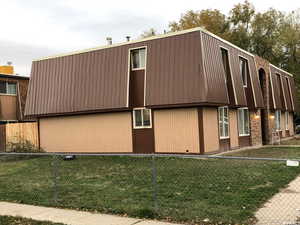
(33, 28)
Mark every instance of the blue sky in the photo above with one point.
(32, 29)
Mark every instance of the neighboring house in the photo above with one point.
(13, 91)
(184, 92)
(14, 127)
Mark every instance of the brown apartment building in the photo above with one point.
(185, 92)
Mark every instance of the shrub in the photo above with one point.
(23, 147)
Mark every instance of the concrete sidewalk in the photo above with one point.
(282, 208)
(69, 217)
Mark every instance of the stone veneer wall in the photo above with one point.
(255, 127)
(269, 122)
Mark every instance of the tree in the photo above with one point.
(240, 19)
(212, 20)
(266, 29)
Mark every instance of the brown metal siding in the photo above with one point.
(174, 71)
(214, 71)
(282, 93)
(293, 90)
(97, 80)
(136, 88)
(275, 89)
(287, 93)
(215, 74)
(255, 82)
(89, 81)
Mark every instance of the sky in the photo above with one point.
(31, 29)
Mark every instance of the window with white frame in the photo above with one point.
(138, 58)
(141, 118)
(223, 122)
(286, 120)
(277, 120)
(243, 121)
(244, 70)
(8, 88)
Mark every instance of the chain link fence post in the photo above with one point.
(154, 184)
(55, 177)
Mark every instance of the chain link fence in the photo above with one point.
(177, 188)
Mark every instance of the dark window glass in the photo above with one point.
(3, 87)
(138, 118)
(244, 70)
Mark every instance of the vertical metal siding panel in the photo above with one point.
(293, 90)
(217, 90)
(31, 91)
(117, 90)
(287, 93)
(276, 89)
(255, 83)
(96, 72)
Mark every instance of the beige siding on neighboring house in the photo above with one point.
(176, 130)
(233, 129)
(210, 129)
(8, 107)
(106, 132)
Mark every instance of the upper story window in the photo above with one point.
(277, 120)
(223, 122)
(225, 60)
(141, 118)
(244, 70)
(8, 88)
(138, 58)
(243, 121)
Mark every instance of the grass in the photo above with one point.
(9, 220)
(273, 152)
(188, 190)
(293, 141)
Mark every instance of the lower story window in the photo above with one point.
(243, 120)
(141, 118)
(223, 122)
(277, 120)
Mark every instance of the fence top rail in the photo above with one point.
(146, 155)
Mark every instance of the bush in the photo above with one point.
(23, 147)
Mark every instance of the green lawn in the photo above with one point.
(188, 190)
(274, 152)
(293, 141)
(9, 220)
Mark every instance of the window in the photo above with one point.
(141, 118)
(243, 118)
(244, 70)
(138, 58)
(8, 88)
(223, 122)
(225, 61)
(277, 120)
(286, 120)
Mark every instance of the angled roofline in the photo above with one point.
(13, 76)
(281, 70)
(200, 29)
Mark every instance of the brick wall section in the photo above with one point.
(255, 127)
(269, 122)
